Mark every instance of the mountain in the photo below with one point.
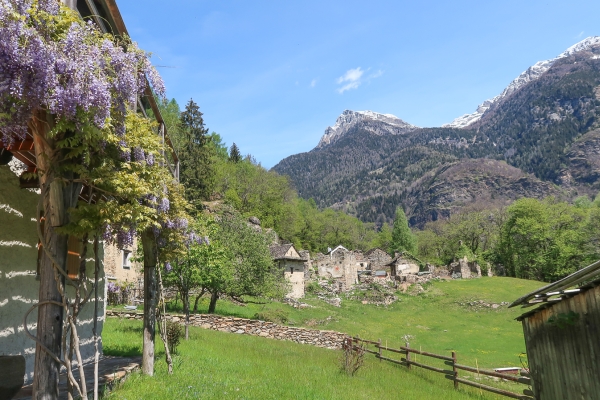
(379, 124)
(540, 137)
(530, 74)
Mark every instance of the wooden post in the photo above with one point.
(56, 197)
(379, 347)
(150, 297)
(455, 371)
(407, 355)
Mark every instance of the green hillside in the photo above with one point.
(215, 364)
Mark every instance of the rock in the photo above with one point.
(494, 306)
(254, 220)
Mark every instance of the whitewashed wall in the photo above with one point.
(18, 284)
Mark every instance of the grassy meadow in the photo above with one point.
(222, 365)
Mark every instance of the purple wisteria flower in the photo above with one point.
(168, 267)
(163, 205)
(138, 154)
(112, 288)
(150, 159)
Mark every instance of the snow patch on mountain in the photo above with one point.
(532, 73)
(380, 124)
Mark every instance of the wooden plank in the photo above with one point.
(365, 341)
(491, 389)
(513, 378)
(593, 324)
(392, 360)
(429, 367)
(392, 350)
(427, 354)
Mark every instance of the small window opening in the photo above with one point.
(126, 259)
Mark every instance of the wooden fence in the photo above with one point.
(359, 344)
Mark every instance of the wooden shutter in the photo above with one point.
(73, 257)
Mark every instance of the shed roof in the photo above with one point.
(585, 278)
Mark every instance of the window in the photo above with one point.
(126, 259)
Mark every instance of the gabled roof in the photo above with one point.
(338, 248)
(585, 278)
(279, 251)
(404, 256)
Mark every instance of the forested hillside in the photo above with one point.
(540, 129)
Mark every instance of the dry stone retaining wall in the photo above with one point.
(327, 339)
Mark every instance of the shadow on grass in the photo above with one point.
(123, 351)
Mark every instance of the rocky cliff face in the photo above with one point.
(379, 124)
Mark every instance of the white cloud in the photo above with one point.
(376, 74)
(313, 83)
(580, 35)
(353, 78)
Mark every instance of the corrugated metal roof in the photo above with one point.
(561, 289)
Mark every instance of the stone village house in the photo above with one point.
(288, 260)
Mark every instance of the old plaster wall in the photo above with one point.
(340, 264)
(18, 266)
(293, 271)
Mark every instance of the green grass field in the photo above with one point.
(220, 365)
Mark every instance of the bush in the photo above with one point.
(276, 316)
(174, 335)
(352, 357)
(312, 287)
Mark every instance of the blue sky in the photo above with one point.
(272, 75)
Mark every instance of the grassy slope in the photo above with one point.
(214, 363)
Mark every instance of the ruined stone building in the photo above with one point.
(377, 259)
(340, 264)
(402, 264)
(288, 260)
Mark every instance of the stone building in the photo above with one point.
(463, 268)
(403, 264)
(120, 267)
(377, 259)
(340, 264)
(289, 261)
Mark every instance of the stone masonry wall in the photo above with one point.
(326, 339)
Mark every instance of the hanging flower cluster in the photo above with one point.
(51, 59)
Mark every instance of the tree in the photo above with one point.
(237, 262)
(234, 154)
(196, 167)
(402, 237)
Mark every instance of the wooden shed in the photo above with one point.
(562, 336)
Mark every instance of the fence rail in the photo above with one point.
(359, 344)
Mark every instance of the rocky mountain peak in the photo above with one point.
(380, 124)
(530, 74)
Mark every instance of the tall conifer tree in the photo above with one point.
(196, 169)
(234, 154)
(402, 237)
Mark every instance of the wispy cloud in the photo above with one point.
(353, 78)
(350, 80)
(313, 83)
(580, 35)
(376, 74)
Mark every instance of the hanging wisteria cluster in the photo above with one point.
(50, 59)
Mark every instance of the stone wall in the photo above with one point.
(326, 339)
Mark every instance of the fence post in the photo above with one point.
(379, 347)
(407, 355)
(454, 369)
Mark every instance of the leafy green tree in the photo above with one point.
(237, 262)
(402, 237)
(234, 154)
(196, 168)
(383, 240)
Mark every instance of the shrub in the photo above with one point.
(276, 316)
(312, 287)
(174, 335)
(352, 357)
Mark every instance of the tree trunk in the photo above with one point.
(186, 310)
(213, 302)
(57, 198)
(197, 300)
(150, 297)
